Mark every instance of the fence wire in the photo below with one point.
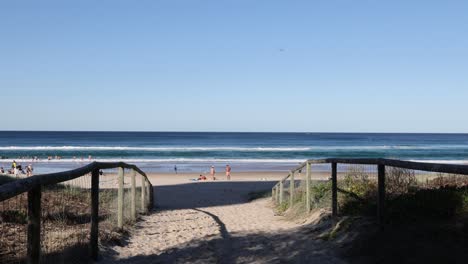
(13, 226)
(409, 194)
(65, 217)
(65, 221)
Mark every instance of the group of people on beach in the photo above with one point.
(227, 170)
(18, 169)
(212, 174)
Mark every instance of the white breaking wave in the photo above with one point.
(462, 162)
(246, 149)
(197, 160)
(106, 148)
(168, 160)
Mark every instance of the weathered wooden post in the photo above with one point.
(120, 198)
(334, 190)
(143, 194)
(273, 192)
(151, 195)
(381, 195)
(307, 192)
(133, 195)
(93, 241)
(281, 192)
(277, 193)
(148, 197)
(291, 189)
(34, 225)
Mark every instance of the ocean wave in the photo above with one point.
(462, 162)
(244, 149)
(200, 160)
(168, 160)
(112, 148)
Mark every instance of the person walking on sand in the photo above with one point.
(213, 172)
(228, 172)
(175, 169)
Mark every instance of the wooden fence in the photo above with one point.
(34, 187)
(278, 191)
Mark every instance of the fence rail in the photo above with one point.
(41, 196)
(279, 191)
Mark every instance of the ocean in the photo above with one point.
(195, 152)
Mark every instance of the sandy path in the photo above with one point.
(212, 222)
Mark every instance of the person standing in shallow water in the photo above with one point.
(175, 169)
(228, 172)
(213, 172)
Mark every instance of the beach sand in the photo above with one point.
(213, 222)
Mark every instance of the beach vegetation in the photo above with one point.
(443, 196)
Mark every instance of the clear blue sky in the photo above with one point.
(244, 65)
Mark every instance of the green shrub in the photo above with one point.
(320, 194)
(441, 203)
(358, 182)
(399, 181)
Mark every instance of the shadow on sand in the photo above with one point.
(207, 194)
(292, 246)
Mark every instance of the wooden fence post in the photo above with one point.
(120, 199)
(291, 189)
(307, 193)
(277, 193)
(151, 195)
(148, 197)
(34, 225)
(273, 192)
(133, 195)
(94, 236)
(281, 192)
(381, 194)
(334, 190)
(143, 194)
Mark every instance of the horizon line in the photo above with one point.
(272, 132)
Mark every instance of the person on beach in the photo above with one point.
(212, 173)
(228, 172)
(29, 170)
(175, 169)
(14, 167)
(2, 170)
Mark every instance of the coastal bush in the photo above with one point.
(447, 180)
(320, 194)
(443, 197)
(357, 192)
(282, 207)
(441, 203)
(320, 198)
(358, 182)
(399, 181)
